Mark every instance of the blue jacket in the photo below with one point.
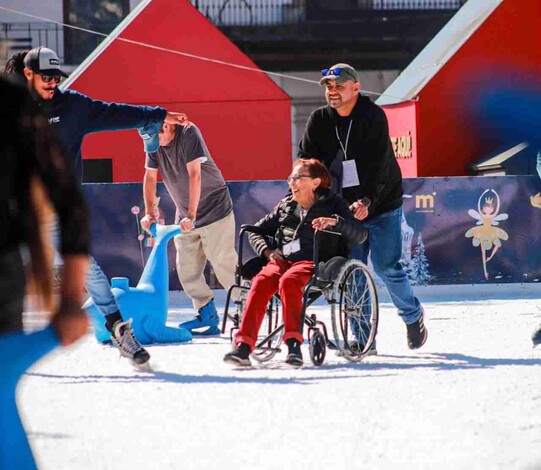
(74, 115)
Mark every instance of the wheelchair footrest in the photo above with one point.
(267, 348)
(331, 345)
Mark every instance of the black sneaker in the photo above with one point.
(126, 342)
(294, 354)
(417, 333)
(536, 337)
(240, 356)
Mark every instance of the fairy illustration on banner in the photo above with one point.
(486, 234)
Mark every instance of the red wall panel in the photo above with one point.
(403, 132)
(239, 149)
(244, 116)
(505, 50)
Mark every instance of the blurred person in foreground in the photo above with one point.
(32, 161)
(310, 206)
(73, 116)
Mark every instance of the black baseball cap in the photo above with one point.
(44, 61)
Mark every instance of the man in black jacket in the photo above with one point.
(351, 136)
(72, 116)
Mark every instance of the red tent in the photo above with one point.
(486, 42)
(244, 116)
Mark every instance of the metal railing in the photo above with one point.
(276, 12)
(16, 37)
(417, 4)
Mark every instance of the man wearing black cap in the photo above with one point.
(73, 116)
(351, 136)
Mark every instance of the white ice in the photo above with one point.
(469, 399)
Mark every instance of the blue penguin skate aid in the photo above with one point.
(147, 303)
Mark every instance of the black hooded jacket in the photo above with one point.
(28, 147)
(284, 224)
(379, 175)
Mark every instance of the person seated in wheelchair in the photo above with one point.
(310, 206)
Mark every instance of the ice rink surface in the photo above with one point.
(469, 399)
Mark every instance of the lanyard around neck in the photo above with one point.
(344, 147)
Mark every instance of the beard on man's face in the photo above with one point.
(44, 90)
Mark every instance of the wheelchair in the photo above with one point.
(346, 285)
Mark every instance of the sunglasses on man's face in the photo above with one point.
(336, 72)
(49, 78)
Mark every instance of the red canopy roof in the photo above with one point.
(244, 116)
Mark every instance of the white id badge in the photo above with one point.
(349, 174)
(291, 247)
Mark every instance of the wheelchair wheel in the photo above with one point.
(355, 311)
(270, 333)
(317, 348)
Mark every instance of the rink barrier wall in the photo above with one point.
(438, 213)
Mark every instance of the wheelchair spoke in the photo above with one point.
(355, 323)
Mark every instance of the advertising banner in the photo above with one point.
(465, 230)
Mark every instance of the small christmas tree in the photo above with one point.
(406, 266)
(419, 269)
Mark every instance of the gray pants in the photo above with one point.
(215, 243)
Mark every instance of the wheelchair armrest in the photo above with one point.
(250, 229)
(316, 257)
(245, 228)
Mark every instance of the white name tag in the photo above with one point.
(291, 247)
(349, 174)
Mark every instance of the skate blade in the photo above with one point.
(145, 367)
(294, 366)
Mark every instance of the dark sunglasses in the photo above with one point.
(336, 73)
(48, 79)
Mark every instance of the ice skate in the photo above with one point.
(126, 342)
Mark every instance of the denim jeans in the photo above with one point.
(96, 282)
(384, 243)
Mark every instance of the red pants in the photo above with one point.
(286, 278)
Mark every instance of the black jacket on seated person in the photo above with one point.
(284, 224)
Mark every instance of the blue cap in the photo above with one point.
(150, 137)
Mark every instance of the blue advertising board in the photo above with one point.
(455, 230)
